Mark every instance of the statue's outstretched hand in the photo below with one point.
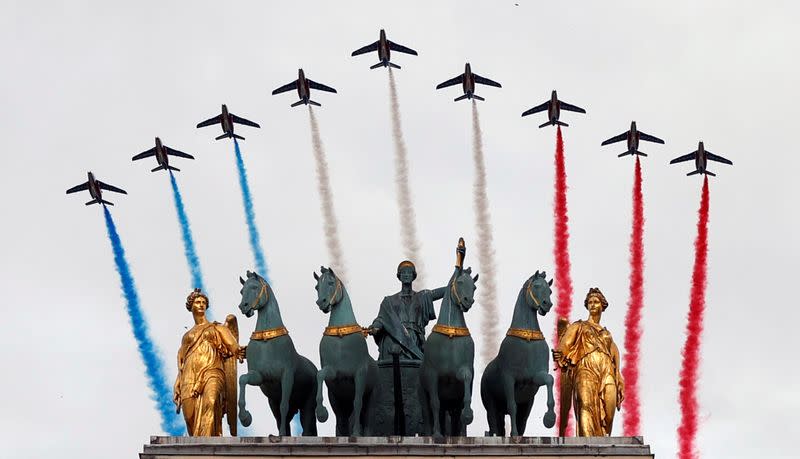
(374, 330)
(241, 354)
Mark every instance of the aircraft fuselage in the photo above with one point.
(383, 49)
(227, 124)
(700, 159)
(633, 138)
(94, 189)
(554, 110)
(161, 154)
(468, 81)
(303, 90)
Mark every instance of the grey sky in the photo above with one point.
(86, 85)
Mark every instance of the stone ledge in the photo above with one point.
(420, 447)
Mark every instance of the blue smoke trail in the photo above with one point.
(255, 243)
(156, 379)
(188, 240)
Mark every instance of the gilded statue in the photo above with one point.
(205, 388)
(590, 366)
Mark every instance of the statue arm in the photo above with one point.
(438, 293)
(230, 342)
(618, 375)
(565, 344)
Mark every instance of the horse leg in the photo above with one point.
(359, 381)
(523, 411)
(325, 374)
(465, 376)
(431, 383)
(491, 412)
(307, 419)
(287, 383)
(511, 403)
(252, 378)
(544, 378)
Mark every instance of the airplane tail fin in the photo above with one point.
(99, 201)
(561, 123)
(461, 97)
(163, 167)
(477, 97)
(394, 66)
(707, 172)
(548, 123)
(314, 103)
(299, 102)
(231, 135)
(379, 64)
(625, 153)
(641, 153)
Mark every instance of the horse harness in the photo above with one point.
(451, 331)
(344, 330)
(526, 333)
(270, 333)
(529, 291)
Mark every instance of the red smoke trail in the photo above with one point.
(561, 251)
(687, 431)
(633, 327)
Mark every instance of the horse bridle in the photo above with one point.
(454, 293)
(337, 289)
(529, 291)
(263, 291)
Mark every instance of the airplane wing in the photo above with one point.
(683, 158)
(366, 49)
(486, 81)
(649, 137)
(211, 121)
(145, 154)
(571, 108)
(617, 138)
(717, 158)
(537, 109)
(286, 87)
(236, 119)
(106, 186)
(174, 152)
(77, 188)
(400, 48)
(451, 82)
(319, 86)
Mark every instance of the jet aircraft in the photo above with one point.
(632, 136)
(96, 188)
(384, 48)
(162, 154)
(303, 86)
(227, 119)
(701, 157)
(468, 80)
(553, 107)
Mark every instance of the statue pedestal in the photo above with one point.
(416, 447)
(382, 411)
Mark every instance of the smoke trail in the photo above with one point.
(687, 430)
(186, 233)
(156, 379)
(330, 224)
(633, 328)
(561, 252)
(250, 215)
(408, 221)
(488, 290)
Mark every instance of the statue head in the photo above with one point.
(329, 289)
(595, 296)
(200, 306)
(537, 293)
(462, 288)
(406, 272)
(255, 294)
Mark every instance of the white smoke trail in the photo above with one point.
(330, 223)
(488, 285)
(408, 220)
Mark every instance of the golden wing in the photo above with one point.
(230, 366)
(565, 387)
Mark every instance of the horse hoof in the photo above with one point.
(322, 414)
(245, 418)
(549, 419)
(466, 416)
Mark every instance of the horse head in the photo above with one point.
(537, 293)
(462, 288)
(255, 294)
(329, 289)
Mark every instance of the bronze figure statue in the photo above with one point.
(590, 366)
(205, 388)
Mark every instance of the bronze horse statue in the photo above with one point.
(447, 370)
(347, 368)
(511, 379)
(284, 376)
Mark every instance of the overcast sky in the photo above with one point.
(86, 85)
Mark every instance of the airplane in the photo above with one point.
(384, 47)
(468, 80)
(303, 86)
(226, 120)
(162, 153)
(633, 136)
(701, 157)
(553, 107)
(96, 188)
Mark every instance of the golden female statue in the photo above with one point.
(206, 384)
(589, 362)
